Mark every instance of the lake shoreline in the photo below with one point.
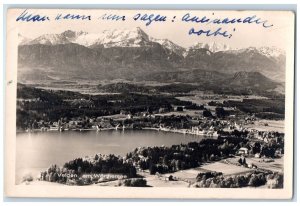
(167, 130)
(81, 144)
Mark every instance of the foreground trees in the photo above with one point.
(253, 179)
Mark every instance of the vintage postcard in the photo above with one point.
(149, 104)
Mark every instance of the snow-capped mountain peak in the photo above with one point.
(72, 35)
(136, 37)
(50, 39)
(271, 51)
(124, 38)
(65, 37)
(115, 38)
(212, 46)
(169, 45)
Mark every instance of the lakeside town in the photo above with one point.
(163, 121)
(234, 148)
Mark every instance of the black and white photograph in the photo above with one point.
(173, 100)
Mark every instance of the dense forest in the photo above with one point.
(193, 154)
(37, 104)
(181, 88)
(251, 179)
(262, 108)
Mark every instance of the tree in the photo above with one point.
(257, 180)
(220, 112)
(152, 169)
(241, 181)
(132, 171)
(34, 125)
(179, 109)
(138, 182)
(143, 165)
(256, 148)
(166, 160)
(275, 181)
(79, 170)
(207, 113)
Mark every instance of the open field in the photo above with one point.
(189, 112)
(267, 125)
(276, 166)
(226, 169)
(184, 178)
(160, 181)
(200, 98)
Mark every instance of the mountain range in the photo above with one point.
(134, 55)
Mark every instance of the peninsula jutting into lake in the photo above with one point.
(121, 108)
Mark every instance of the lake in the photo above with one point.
(37, 151)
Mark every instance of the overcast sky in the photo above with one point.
(245, 35)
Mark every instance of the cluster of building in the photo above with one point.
(268, 136)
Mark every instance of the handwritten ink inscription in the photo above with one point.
(208, 33)
(113, 17)
(73, 17)
(200, 25)
(246, 20)
(149, 18)
(27, 17)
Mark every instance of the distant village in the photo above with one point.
(170, 120)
